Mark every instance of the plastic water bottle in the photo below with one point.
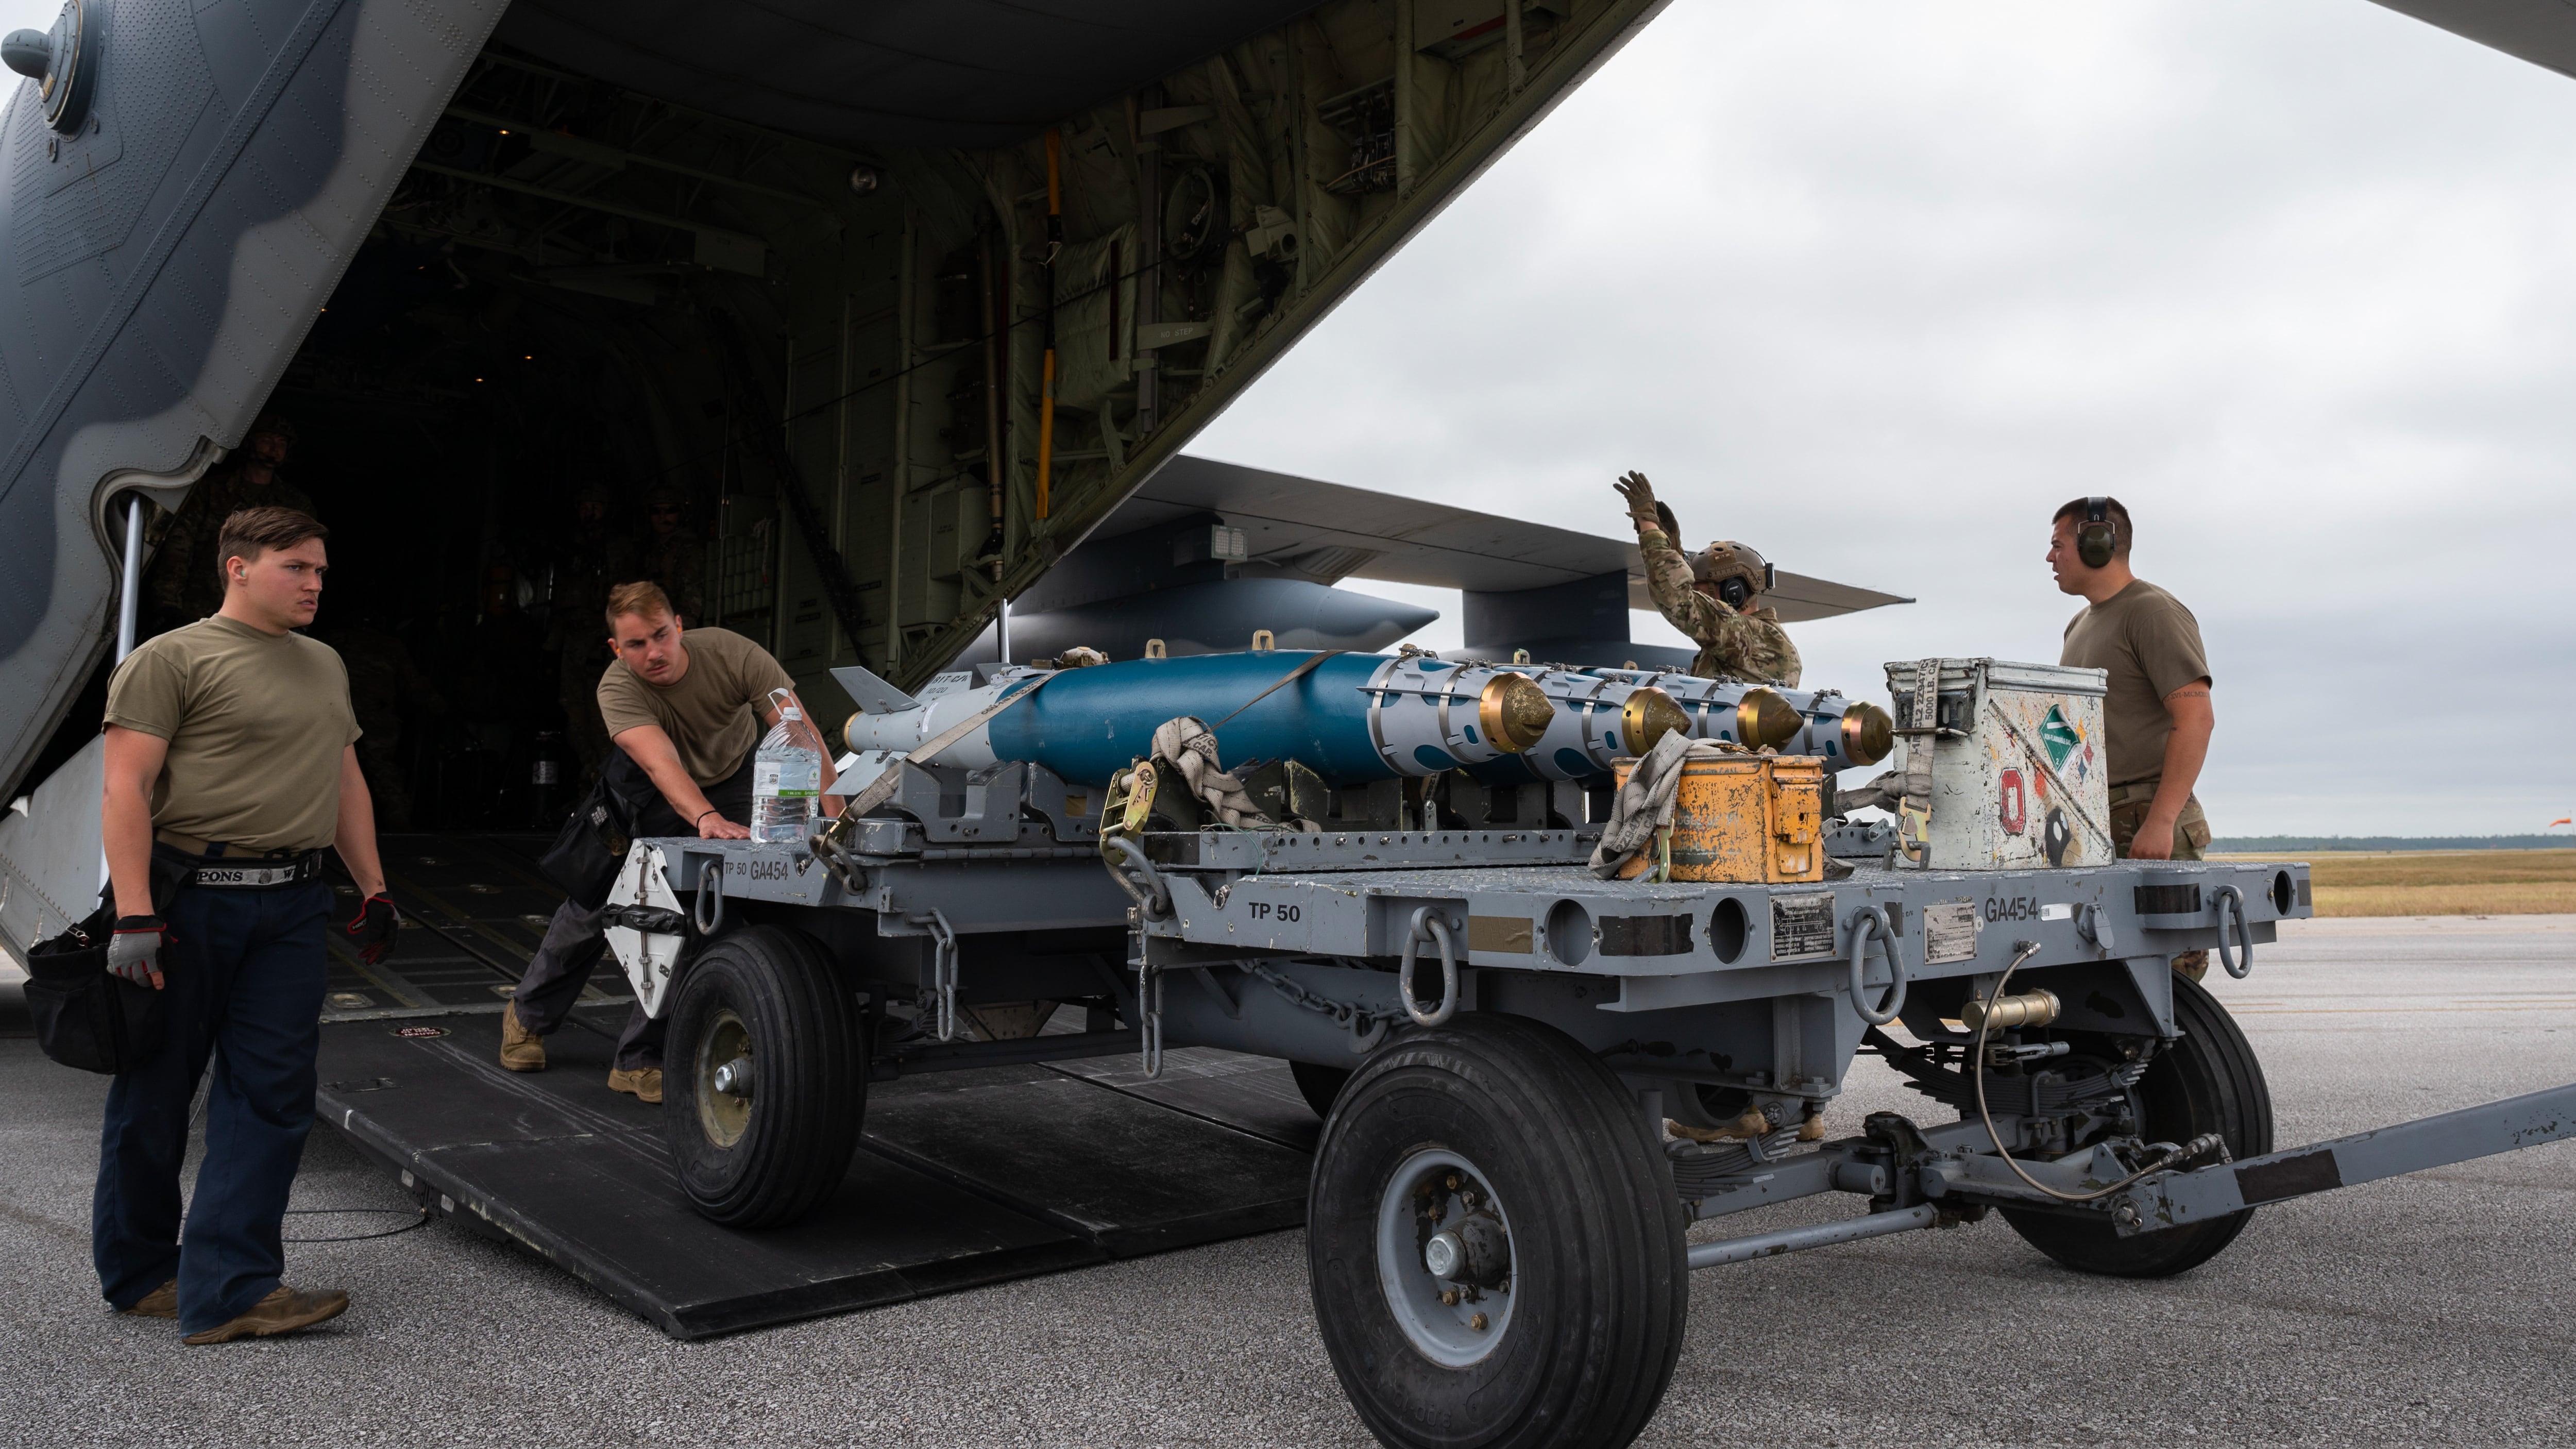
(786, 777)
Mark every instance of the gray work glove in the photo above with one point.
(134, 952)
(1641, 500)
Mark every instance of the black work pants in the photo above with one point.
(244, 972)
(575, 938)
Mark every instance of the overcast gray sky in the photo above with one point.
(1877, 285)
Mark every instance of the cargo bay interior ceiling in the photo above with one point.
(905, 305)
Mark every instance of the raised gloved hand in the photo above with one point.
(372, 933)
(1641, 500)
(135, 951)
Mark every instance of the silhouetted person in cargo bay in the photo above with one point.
(685, 715)
(2158, 716)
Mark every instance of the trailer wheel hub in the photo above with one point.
(1445, 1257)
(723, 1071)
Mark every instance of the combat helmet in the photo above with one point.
(1726, 559)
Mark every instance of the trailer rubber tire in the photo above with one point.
(1320, 1086)
(2209, 1081)
(769, 994)
(1584, 1339)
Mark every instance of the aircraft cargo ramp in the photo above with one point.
(964, 1177)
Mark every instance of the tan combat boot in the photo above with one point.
(284, 1310)
(521, 1049)
(644, 1082)
(2194, 964)
(161, 1302)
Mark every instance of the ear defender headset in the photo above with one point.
(2097, 538)
(1737, 593)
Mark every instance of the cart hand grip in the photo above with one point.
(2230, 904)
(1866, 922)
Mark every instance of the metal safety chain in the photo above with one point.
(1149, 1023)
(1367, 1027)
(943, 970)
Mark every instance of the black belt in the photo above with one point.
(256, 873)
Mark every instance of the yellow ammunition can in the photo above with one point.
(1747, 819)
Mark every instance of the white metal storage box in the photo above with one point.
(2020, 771)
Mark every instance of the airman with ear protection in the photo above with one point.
(2157, 715)
(1713, 596)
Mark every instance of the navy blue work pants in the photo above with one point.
(244, 974)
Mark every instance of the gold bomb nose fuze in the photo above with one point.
(1844, 733)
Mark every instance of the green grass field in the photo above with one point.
(2443, 882)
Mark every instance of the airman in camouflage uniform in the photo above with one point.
(185, 582)
(1735, 641)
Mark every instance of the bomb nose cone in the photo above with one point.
(28, 52)
(1765, 721)
(1868, 733)
(1515, 712)
(1649, 715)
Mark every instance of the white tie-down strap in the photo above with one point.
(1189, 748)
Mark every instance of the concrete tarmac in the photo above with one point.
(2430, 1309)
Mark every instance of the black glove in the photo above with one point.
(135, 951)
(372, 932)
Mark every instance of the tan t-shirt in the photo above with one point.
(257, 724)
(713, 714)
(2151, 645)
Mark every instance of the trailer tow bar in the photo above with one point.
(2178, 1199)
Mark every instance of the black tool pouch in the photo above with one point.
(85, 1017)
(592, 844)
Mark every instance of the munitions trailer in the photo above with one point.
(1497, 1040)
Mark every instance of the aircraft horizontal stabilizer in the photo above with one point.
(1302, 527)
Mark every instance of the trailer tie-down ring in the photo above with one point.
(1866, 922)
(1428, 926)
(2231, 902)
(708, 911)
(1138, 878)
